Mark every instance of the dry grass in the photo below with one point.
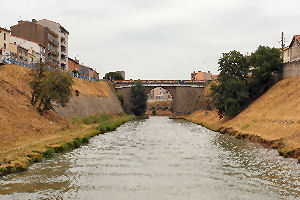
(89, 88)
(19, 121)
(273, 116)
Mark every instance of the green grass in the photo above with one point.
(94, 119)
(105, 124)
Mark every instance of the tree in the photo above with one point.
(265, 62)
(50, 87)
(113, 76)
(138, 99)
(230, 94)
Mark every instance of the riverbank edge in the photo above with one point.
(274, 144)
(23, 163)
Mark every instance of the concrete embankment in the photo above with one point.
(26, 136)
(272, 120)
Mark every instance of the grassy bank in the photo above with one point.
(272, 120)
(287, 147)
(19, 159)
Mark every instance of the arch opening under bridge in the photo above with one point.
(185, 94)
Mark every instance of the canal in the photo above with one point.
(159, 158)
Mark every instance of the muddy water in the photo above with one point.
(159, 158)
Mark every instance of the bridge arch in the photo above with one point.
(185, 94)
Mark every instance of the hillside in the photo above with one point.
(21, 124)
(273, 118)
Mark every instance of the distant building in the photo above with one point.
(122, 73)
(285, 55)
(48, 34)
(84, 70)
(4, 42)
(159, 94)
(295, 48)
(73, 65)
(201, 76)
(34, 52)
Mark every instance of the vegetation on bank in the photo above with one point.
(48, 87)
(138, 99)
(100, 125)
(243, 79)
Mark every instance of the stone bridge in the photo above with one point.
(185, 94)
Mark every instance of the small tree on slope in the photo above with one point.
(50, 87)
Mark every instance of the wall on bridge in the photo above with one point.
(184, 98)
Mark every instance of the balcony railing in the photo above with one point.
(52, 40)
(54, 51)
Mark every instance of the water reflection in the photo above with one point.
(163, 159)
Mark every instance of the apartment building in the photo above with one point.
(25, 50)
(48, 34)
(62, 38)
(4, 42)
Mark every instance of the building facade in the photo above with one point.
(73, 65)
(47, 35)
(159, 94)
(35, 52)
(4, 42)
(62, 39)
(201, 76)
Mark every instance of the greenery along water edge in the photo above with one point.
(106, 123)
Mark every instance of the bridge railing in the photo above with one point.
(160, 81)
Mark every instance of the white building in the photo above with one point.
(4, 42)
(36, 52)
(63, 35)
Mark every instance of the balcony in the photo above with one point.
(63, 49)
(52, 40)
(63, 41)
(52, 50)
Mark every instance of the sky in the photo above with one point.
(161, 39)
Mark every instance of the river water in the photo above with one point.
(159, 158)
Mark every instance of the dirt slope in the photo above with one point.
(19, 120)
(275, 116)
(21, 124)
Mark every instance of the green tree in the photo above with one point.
(50, 87)
(230, 94)
(265, 62)
(138, 99)
(113, 76)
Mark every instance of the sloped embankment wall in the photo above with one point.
(93, 99)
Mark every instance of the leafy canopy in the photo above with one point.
(50, 87)
(243, 79)
(138, 99)
(113, 76)
(230, 94)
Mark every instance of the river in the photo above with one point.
(159, 158)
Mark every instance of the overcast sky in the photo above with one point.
(161, 39)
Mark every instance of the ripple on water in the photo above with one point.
(159, 158)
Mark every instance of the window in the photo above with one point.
(20, 51)
(31, 59)
(4, 36)
(4, 46)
